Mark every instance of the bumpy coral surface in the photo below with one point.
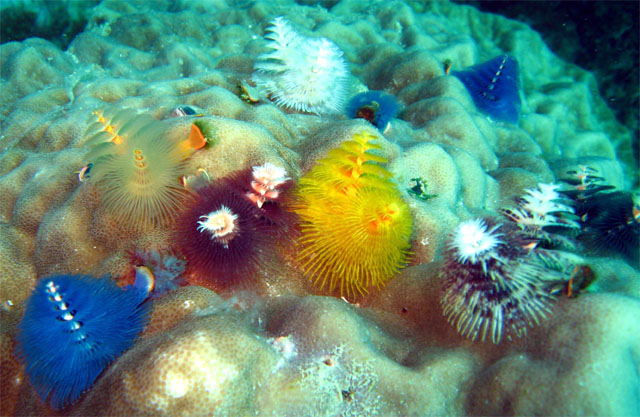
(277, 349)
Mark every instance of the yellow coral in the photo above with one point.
(137, 168)
(355, 225)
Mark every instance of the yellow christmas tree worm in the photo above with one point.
(355, 225)
(137, 168)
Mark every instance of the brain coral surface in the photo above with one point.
(284, 347)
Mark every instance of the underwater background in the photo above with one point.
(319, 208)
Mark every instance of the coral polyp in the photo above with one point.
(304, 74)
(355, 225)
(137, 169)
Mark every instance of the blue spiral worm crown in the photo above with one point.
(73, 327)
(494, 87)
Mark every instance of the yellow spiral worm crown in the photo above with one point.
(137, 168)
(355, 226)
